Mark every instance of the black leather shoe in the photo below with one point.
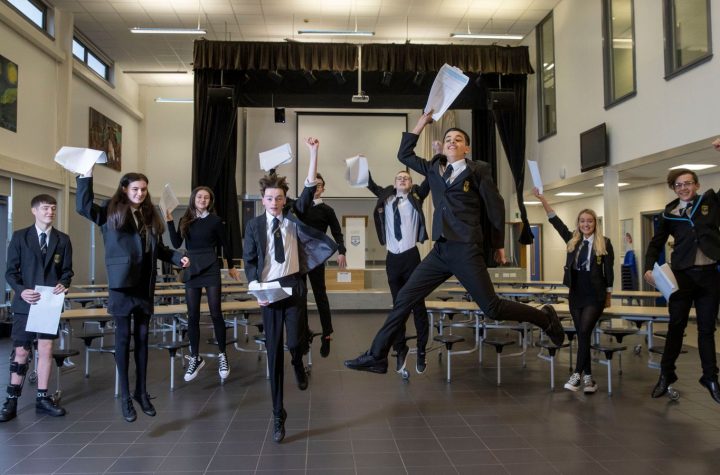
(554, 330)
(9, 409)
(420, 363)
(664, 382)
(128, 410)
(401, 359)
(367, 362)
(48, 407)
(325, 346)
(301, 377)
(279, 427)
(145, 404)
(712, 385)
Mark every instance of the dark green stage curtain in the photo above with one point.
(511, 127)
(215, 153)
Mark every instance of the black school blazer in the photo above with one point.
(123, 247)
(416, 196)
(601, 267)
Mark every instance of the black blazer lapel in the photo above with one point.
(52, 245)
(31, 238)
(261, 236)
(461, 177)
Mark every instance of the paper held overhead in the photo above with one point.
(275, 157)
(448, 84)
(79, 160)
(356, 171)
(535, 174)
(168, 200)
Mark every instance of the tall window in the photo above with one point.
(547, 116)
(92, 57)
(34, 10)
(687, 35)
(618, 50)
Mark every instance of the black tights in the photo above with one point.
(122, 350)
(192, 298)
(585, 318)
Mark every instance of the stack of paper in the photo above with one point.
(269, 292)
(79, 160)
(44, 316)
(665, 281)
(275, 157)
(356, 171)
(448, 84)
(168, 200)
(535, 173)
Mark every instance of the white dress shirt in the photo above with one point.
(47, 235)
(409, 222)
(458, 168)
(273, 270)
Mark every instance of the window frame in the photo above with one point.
(47, 16)
(90, 50)
(608, 56)
(539, 37)
(671, 70)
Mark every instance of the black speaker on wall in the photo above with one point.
(279, 115)
(501, 100)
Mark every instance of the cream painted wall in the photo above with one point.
(663, 115)
(166, 140)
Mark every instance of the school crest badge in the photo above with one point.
(466, 186)
(56, 258)
(704, 210)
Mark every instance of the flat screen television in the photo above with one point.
(593, 148)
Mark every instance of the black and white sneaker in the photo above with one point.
(589, 384)
(223, 366)
(573, 383)
(195, 364)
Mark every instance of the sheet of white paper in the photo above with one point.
(535, 173)
(665, 281)
(344, 277)
(274, 158)
(357, 171)
(168, 200)
(270, 291)
(448, 84)
(79, 160)
(44, 316)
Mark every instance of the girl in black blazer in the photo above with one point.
(132, 233)
(203, 233)
(589, 276)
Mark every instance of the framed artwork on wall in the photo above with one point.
(8, 94)
(106, 135)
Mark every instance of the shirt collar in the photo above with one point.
(399, 194)
(459, 165)
(590, 239)
(47, 233)
(204, 214)
(270, 218)
(317, 201)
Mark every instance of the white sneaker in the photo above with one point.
(573, 383)
(223, 366)
(195, 364)
(589, 385)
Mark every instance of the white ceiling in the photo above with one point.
(106, 23)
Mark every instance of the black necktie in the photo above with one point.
(141, 227)
(43, 245)
(277, 239)
(582, 257)
(396, 218)
(448, 173)
(687, 210)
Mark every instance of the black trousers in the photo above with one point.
(399, 268)
(292, 314)
(701, 286)
(466, 262)
(140, 323)
(317, 281)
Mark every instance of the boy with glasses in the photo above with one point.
(692, 220)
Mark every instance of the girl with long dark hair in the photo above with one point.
(204, 233)
(132, 233)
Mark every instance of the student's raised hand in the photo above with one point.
(185, 261)
(342, 261)
(60, 289)
(88, 173)
(424, 120)
(312, 143)
(30, 296)
(437, 147)
(168, 216)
